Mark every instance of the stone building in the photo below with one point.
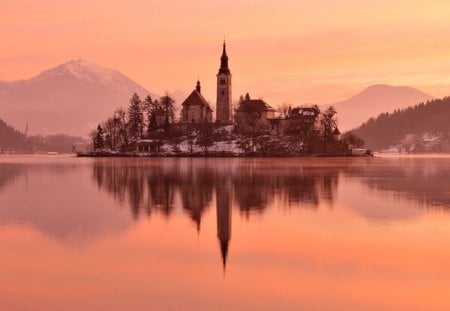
(195, 108)
(254, 115)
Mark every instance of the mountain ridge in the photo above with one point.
(376, 99)
(71, 97)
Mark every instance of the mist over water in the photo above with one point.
(313, 234)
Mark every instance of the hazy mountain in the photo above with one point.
(374, 100)
(426, 126)
(69, 98)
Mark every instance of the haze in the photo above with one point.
(284, 51)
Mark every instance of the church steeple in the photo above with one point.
(224, 105)
(198, 87)
(224, 61)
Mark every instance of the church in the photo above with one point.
(195, 108)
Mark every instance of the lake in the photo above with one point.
(224, 234)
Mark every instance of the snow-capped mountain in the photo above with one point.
(69, 98)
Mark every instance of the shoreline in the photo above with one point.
(215, 155)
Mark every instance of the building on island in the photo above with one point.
(195, 108)
(301, 120)
(254, 115)
(224, 106)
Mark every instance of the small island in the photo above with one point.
(254, 128)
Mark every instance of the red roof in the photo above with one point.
(196, 98)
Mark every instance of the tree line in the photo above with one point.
(12, 140)
(389, 128)
(125, 127)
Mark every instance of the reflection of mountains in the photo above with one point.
(422, 180)
(53, 199)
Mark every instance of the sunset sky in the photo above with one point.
(283, 51)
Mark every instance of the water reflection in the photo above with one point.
(61, 203)
(53, 197)
(154, 234)
(154, 186)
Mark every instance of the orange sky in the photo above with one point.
(283, 51)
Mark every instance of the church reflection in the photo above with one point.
(159, 187)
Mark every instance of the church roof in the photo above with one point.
(255, 105)
(196, 98)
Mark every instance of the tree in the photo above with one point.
(168, 104)
(98, 140)
(250, 125)
(120, 121)
(206, 136)
(352, 139)
(283, 110)
(149, 109)
(328, 123)
(135, 118)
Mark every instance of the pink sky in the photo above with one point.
(285, 51)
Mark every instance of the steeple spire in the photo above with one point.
(198, 87)
(224, 61)
(224, 52)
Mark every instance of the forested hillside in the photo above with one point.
(10, 138)
(390, 129)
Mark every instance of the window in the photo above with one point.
(222, 81)
(222, 92)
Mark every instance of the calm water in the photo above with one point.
(224, 234)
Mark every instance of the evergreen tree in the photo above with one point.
(328, 123)
(135, 118)
(168, 104)
(98, 139)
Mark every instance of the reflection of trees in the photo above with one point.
(154, 185)
(10, 172)
(423, 180)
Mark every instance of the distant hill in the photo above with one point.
(374, 100)
(430, 119)
(69, 98)
(10, 138)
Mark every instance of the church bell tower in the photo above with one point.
(224, 106)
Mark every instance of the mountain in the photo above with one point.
(374, 100)
(422, 128)
(69, 98)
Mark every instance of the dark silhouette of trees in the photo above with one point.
(328, 125)
(206, 137)
(135, 118)
(389, 129)
(98, 138)
(10, 138)
(168, 104)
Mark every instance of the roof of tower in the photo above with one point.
(224, 61)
